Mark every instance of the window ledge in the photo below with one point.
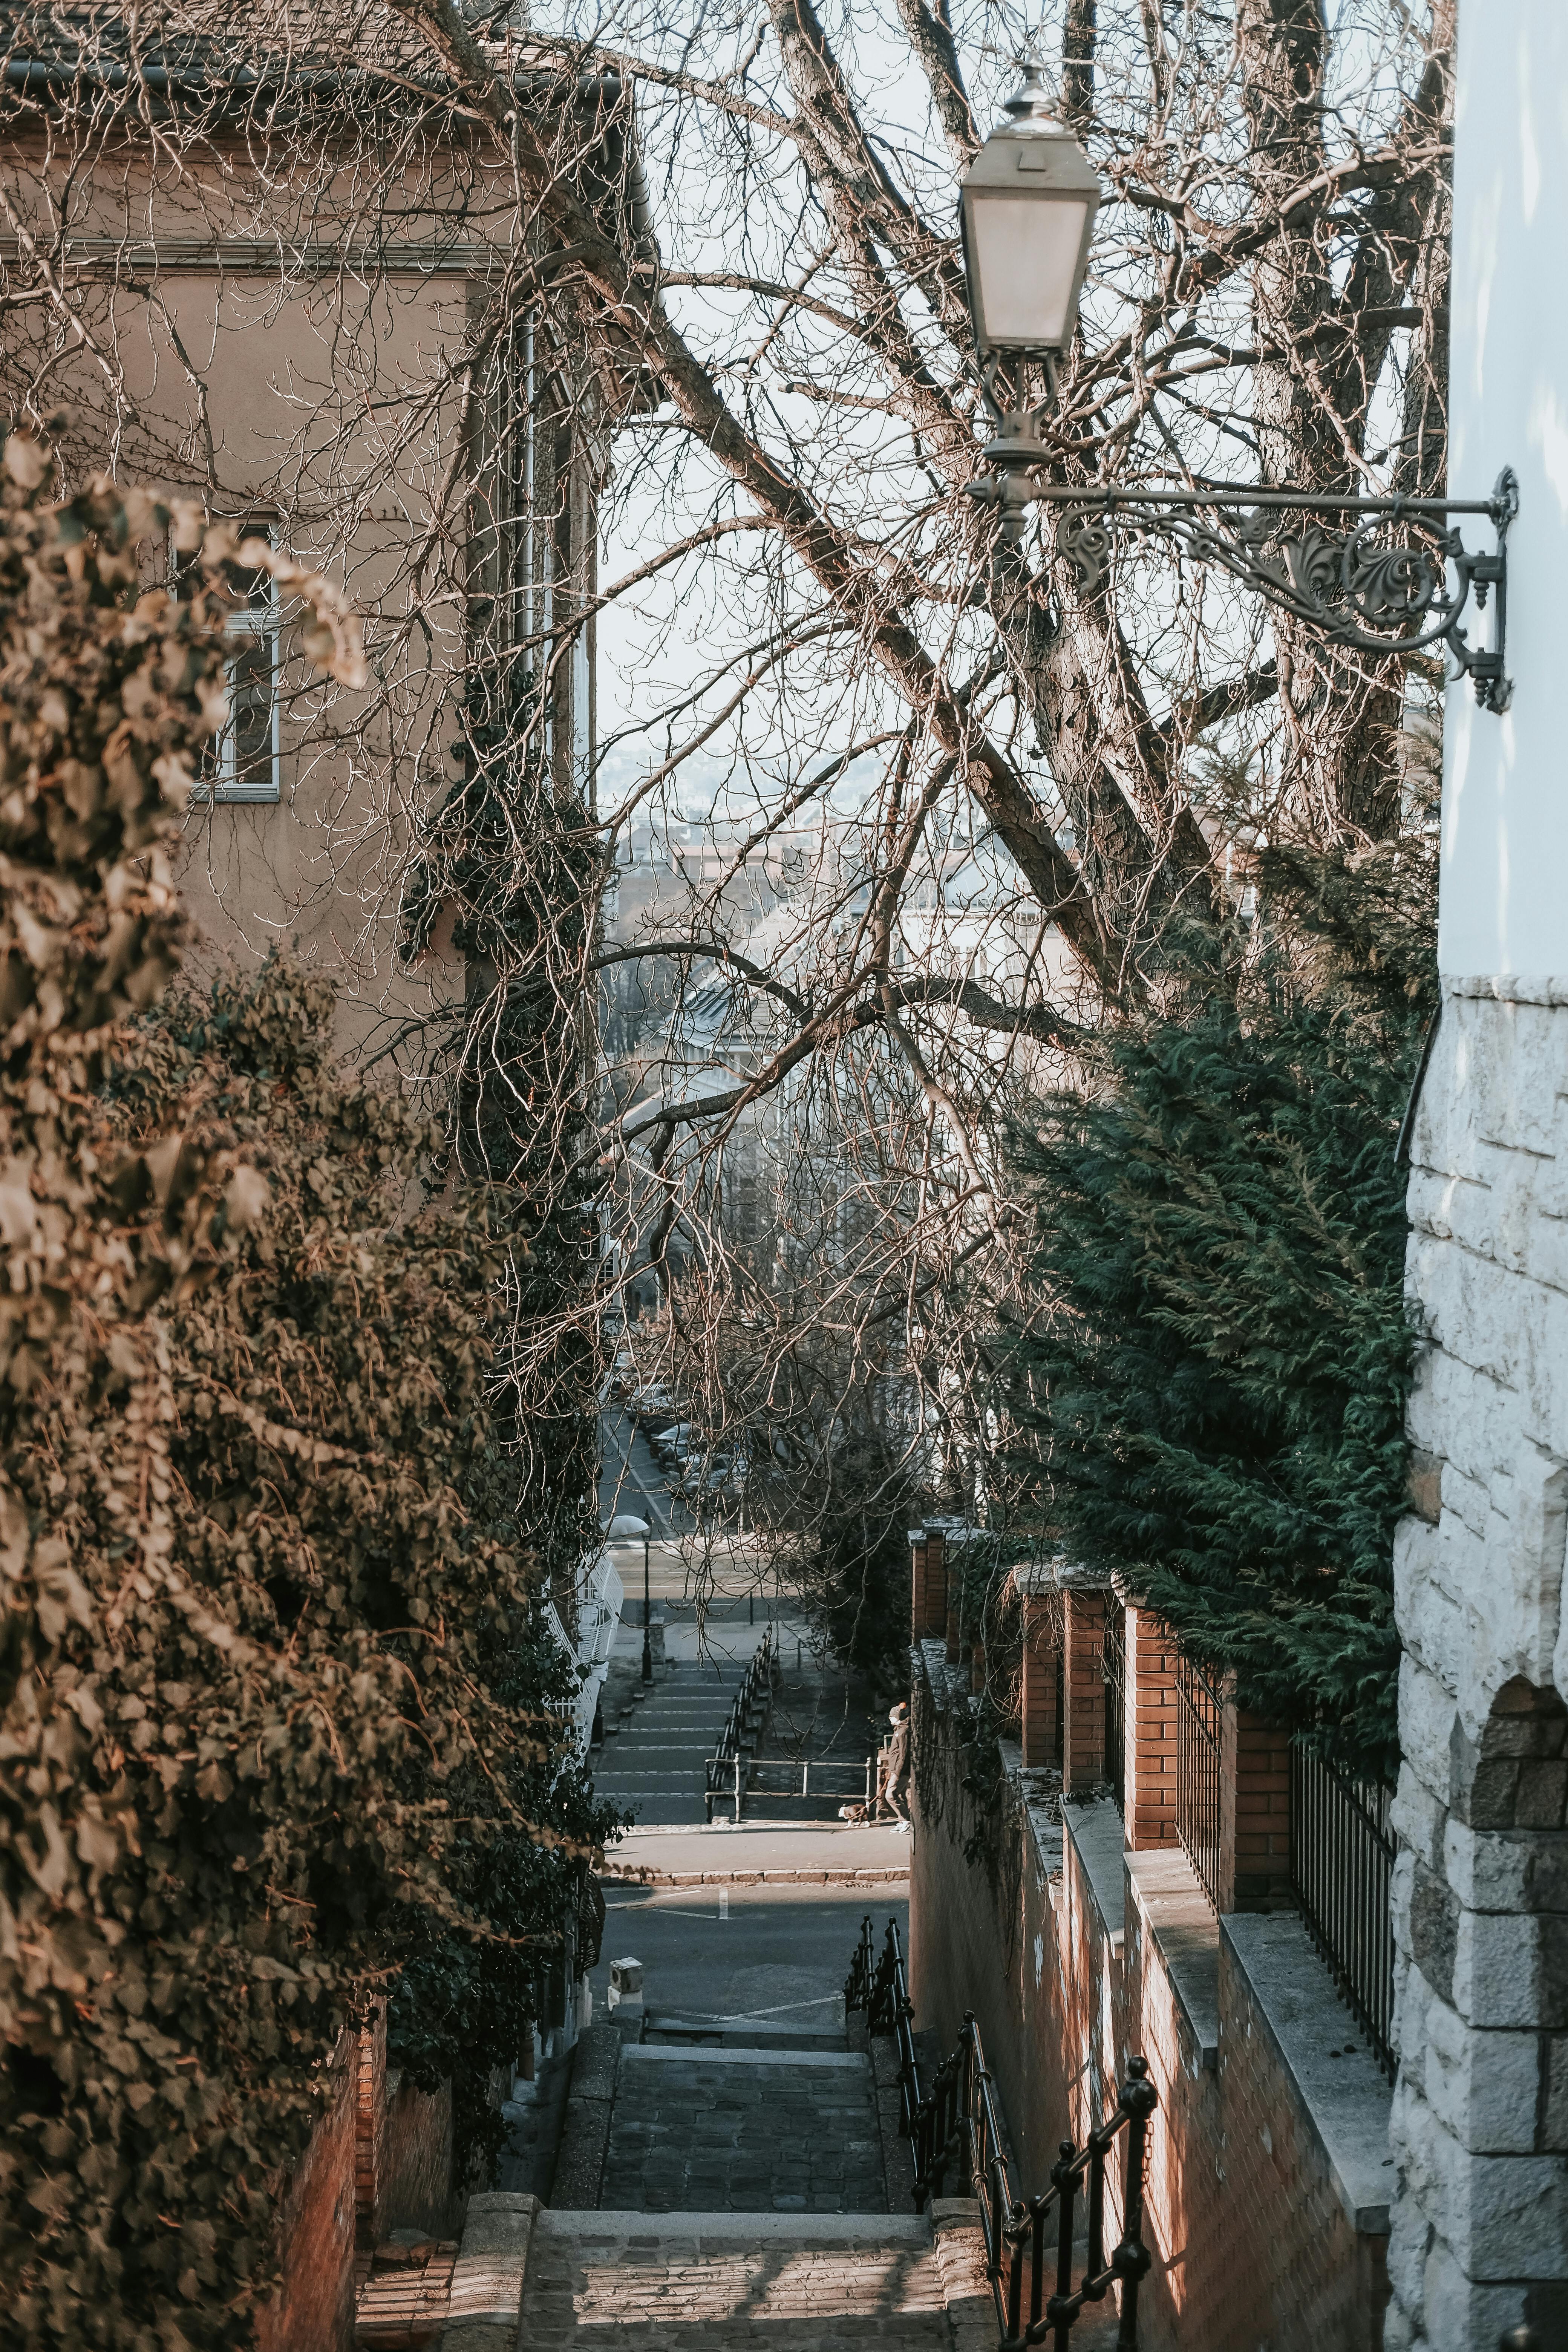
(1099, 1840)
(1176, 1916)
(1346, 2097)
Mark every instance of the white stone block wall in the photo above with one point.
(1479, 2237)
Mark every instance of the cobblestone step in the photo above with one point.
(662, 1732)
(664, 1735)
(708, 2281)
(666, 1731)
(705, 1720)
(662, 1700)
(667, 1742)
(667, 1777)
(752, 2131)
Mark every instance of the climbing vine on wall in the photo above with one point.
(261, 1715)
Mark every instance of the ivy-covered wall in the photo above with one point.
(281, 1723)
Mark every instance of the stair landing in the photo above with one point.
(753, 2131)
(699, 2281)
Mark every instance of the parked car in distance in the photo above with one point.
(655, 1403)
(709, 1473)
(719, 1491)
(677, 1451)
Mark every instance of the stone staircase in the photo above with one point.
(653, 1756)
(723, 2182)
(740, 2187)
(721, 2185)
(710, 2282)
(740, 2130)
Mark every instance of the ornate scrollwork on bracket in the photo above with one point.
(1397, 579)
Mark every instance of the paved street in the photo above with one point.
(630, 1480)
(770, 1952)
(774, 1849)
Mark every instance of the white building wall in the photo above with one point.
(1505, 805)
(1480, 2235)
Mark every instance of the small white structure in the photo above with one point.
(1480, 2235)
(599, 1603)
(625, 1986)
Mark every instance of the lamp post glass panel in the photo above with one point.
(1027, 211)
(1026, 208)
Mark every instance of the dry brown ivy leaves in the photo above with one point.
(248, 1621)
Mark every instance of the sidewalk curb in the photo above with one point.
(645, 1875)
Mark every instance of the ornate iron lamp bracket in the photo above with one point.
(1389, 575)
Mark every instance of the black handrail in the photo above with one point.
(880, 1988)
(957, 2124)
(733, 1738)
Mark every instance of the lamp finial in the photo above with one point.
(1031, 101)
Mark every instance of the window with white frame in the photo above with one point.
(242, 763)
(247, 766)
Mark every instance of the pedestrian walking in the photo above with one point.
(893, 1769)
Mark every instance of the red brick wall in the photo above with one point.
(370, 2117)
(1262, 1836)
(1290, 2271)
(975, 1947)
(1042, 1636)
(1151, 1732)
(1251, 2245)
(314, 2309)
(1083, 1687)
(380, 2158)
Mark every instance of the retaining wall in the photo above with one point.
(1269, 2175)
(380, 2158)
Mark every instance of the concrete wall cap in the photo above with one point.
(737, 2228)
(1037, 1581)
(1347, 2099)
(486, 2282)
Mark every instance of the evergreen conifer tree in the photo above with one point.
(1211, 1392)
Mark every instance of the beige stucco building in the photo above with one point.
(319, 307)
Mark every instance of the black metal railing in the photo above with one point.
(1342, 1863)
(1114, 1673)
(1199, 1712)
(880, 1988)
(804, 1775)
(955, 2128)
(745, 1719)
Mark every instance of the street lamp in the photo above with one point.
(1026, 208)
(625, 1528)
(1381, 575)
(1026, 217)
